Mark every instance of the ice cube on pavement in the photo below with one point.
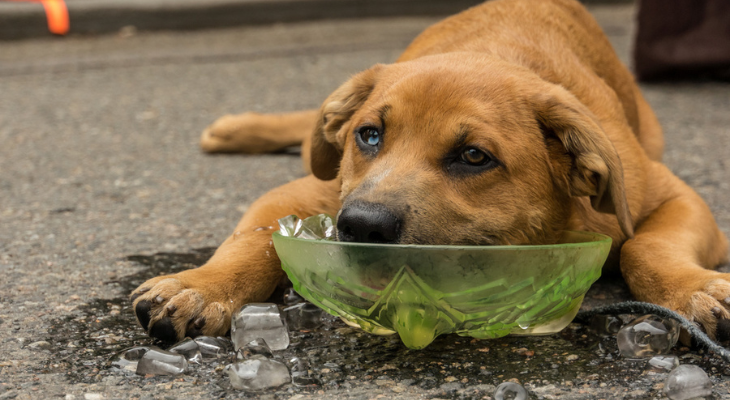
(290, 225)
(189, 348)
(257, 374)
(606, 324)
(687, 382)
(510, 390)
(256, 347)
(666, 363)
(212, 348)
(225, 342)
(317, 227)
(302, 374)
(291, 297)
(647, 336)
(160, 362)
(303, 316)
(127, 359)
(259, 320)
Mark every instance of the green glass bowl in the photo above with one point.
(421, 292)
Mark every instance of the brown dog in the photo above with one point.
(504, 124)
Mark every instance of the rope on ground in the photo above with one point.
(637, 307)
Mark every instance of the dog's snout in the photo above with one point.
(368, 223)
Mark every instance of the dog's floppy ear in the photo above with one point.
(328, 138)
(596, 169)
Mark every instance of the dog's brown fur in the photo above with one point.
(535, 83)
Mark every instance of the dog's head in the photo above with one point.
(461, 149)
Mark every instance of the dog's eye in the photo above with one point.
(470, 160)
(474, 156)
(369, 135)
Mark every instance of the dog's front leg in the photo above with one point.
(669, 260)
(243, 269)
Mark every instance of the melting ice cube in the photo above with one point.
(160, 362)
(666, 363)
(259, 320)
(257, 374)
(510, 390)
(188, 348)
(127, 360)
(213, 347)
(289, 226)
(303, 316)
(687, 382)
(256, 347)
(317, 227)
(647, 336)
(301, 373)
(320, 226)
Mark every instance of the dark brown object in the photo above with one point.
(683, 39)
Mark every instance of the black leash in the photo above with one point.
(637, 307)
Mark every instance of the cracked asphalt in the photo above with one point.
(102, 186)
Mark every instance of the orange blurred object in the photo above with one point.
(56, 15)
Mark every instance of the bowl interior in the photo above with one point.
(424, 291)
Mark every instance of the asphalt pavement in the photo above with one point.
(100, 171)
(27, 18)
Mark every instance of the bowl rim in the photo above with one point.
(599, 239)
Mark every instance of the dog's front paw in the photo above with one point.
(706, 305)
(170, 308)
(248, 133)
(221, 135)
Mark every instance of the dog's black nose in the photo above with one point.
(368, 223)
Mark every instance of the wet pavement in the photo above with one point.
(103, 187)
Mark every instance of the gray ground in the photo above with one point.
(99, 163)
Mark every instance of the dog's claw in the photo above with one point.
(723, 330)
(138, 293)
(195, 328)
(142, 310)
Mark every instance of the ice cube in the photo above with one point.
(291, 297)
(256, 347)
(666, 363)
(257, 374)
(302, 374)
(259, 320)
(160, 362)
(647, 336)
(303, 316)
(510, 390)
(687, 382)
(190, 349)
(127, 359)
(606, 324)
(317, 227)
(290, 225)
(212, 348)
(225, 343)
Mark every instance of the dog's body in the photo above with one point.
(504, 124)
